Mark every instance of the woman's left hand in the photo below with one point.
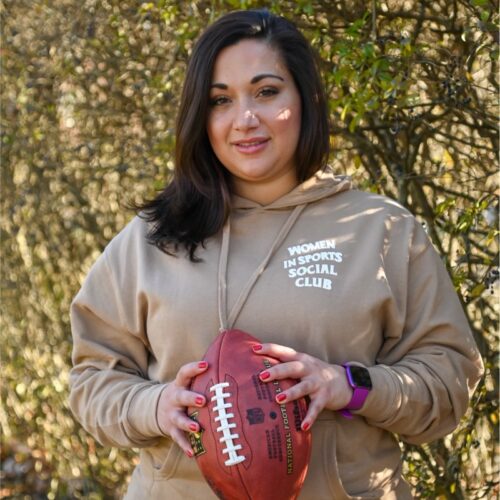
(326, 385)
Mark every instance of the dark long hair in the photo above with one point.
(196, 202)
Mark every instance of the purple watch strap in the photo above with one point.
(358, 398)
(359, 395)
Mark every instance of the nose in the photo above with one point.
(245, 119)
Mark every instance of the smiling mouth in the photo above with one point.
(251, 146)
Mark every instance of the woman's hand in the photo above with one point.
(326, 385)
(174, 400)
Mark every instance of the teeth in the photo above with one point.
(251, 143)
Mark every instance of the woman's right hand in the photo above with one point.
(174, 401)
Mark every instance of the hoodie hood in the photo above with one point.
(322, 184)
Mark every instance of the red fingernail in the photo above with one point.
(280, 398)
(257, 347)
(264, 375)
(189, 453)
(202, 364)
(193, 427)
(305, 426)
(199, 401)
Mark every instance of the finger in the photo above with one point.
(297, 391)
(291, 369)
(179, 437)
(281, 352)
(189, 371)
(184, 397)
(315, 408)
(181, 420)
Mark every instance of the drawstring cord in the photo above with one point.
(226, 322)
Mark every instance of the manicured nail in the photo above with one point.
(199, 401)
(193, 427)
(202, 364)
(189, 453)
(280, 397)
(264, 375)
(305, 426)
(257, 347)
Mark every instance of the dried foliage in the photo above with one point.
(89, 96)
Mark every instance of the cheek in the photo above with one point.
(290, 128)
(288, 119)
(212, 134)
(215, 130)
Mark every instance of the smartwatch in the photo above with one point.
(359, 379)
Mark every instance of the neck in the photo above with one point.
(264, 192)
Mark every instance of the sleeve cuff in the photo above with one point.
(384, 398)
(142, 413)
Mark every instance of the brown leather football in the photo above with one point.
(249, 446)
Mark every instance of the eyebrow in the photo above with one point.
(254, 80)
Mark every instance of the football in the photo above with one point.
(249, 446)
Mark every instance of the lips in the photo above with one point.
(251, 146)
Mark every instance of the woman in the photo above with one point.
(353, 299)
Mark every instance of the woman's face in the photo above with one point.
(254, 120)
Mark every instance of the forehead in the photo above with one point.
(246, 59)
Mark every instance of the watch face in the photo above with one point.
(360, 376)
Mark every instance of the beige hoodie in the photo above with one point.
(355, 279)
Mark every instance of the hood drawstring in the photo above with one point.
(225, 321)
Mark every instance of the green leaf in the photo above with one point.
(354, 123)
(477, 290)
(368, 50)
(346, 109)
(485, 15)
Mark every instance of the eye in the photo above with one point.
(219, 100)
(268, 92)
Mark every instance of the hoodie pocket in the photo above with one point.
(323, 481)
(165, 460)
(329, 459)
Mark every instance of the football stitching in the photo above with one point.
(226, 426)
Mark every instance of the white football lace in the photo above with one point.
(225, 426)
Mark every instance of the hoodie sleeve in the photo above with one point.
(111, 395)
(429, 364)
